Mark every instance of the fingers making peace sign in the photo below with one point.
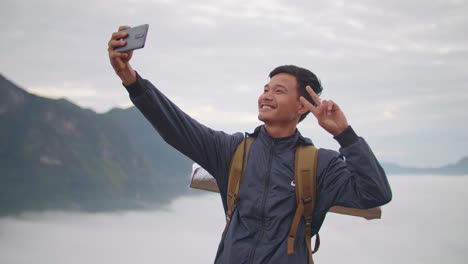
(327, 112)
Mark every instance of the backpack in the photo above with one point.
(305, 178)
(305, 175)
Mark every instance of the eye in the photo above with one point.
(279, 91)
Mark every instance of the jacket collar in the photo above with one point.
(299, 138)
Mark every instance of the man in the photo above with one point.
(258, 230)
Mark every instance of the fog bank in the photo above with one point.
(425, 223)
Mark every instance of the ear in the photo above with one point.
(302, 109)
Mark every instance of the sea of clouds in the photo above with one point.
(425, 223)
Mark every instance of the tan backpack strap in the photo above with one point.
(238, 162)
(305, 173)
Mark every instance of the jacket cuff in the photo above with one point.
(347, 137)
(136, 88)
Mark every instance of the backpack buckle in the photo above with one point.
(306, 200)
(308, 220)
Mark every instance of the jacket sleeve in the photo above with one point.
(354, 178)
(209, 148)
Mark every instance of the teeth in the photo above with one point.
(266, 107)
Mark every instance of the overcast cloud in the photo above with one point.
(397, 68)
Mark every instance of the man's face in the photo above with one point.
(279, 103)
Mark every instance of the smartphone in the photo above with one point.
(135, 39)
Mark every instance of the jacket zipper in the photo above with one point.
(265, 194)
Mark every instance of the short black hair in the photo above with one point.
(304, 78)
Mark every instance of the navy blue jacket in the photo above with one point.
(259, 227)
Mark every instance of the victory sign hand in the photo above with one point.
(327, 112)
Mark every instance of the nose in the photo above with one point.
(267, 95)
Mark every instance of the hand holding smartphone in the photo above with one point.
(135, 39)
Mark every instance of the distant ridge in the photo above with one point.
(459, 168)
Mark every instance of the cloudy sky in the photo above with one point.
(397, 68)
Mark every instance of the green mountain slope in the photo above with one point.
(173, 168)
(55, 155)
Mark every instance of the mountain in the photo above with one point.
(172, 168)
(56, 155)
(459, 168)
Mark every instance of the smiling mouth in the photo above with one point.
(266, 107)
